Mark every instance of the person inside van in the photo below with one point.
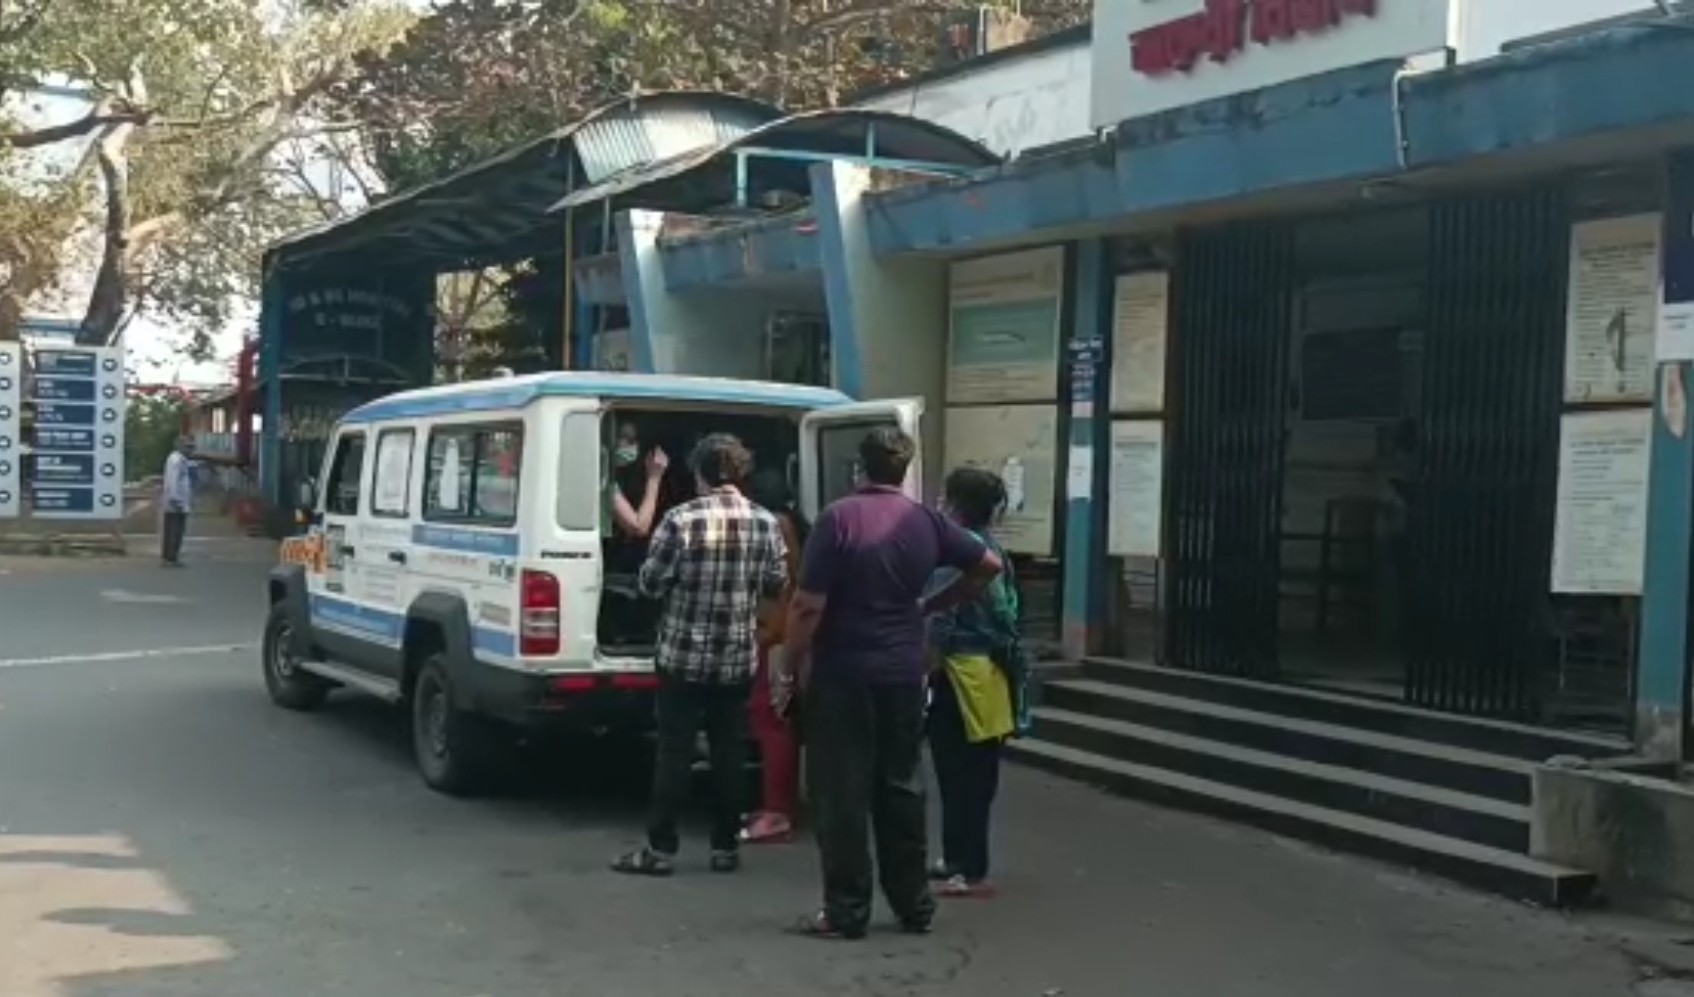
(635, 521)
(779, 745)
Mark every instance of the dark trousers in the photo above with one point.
(683, 708)
(171, 531)
(864, 746)
(968, 777)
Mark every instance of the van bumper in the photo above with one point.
(620, 702)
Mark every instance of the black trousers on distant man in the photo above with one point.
(864, 768)
(682, 710)
(172, 529)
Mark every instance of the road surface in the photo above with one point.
(165, 832)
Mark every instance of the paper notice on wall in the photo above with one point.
(1079, 475)
(1140, 326)
(1021, 444)
(1612, 315)
(1675, 341)
(1599, 536)
(1135, 509)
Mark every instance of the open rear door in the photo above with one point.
(829, 448)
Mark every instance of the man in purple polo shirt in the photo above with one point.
(856, 630)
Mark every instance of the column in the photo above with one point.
(273, 303)
(1087, 454)
(1662, 665)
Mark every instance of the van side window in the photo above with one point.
(346, 475)
(391, 485)
(838, 458)
(473, 474)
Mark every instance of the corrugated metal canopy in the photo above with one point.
(837, 131)
(497, 210)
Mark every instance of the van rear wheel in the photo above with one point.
(453, 748)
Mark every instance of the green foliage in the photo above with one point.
(152, 423)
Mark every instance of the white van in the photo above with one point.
(460, 559)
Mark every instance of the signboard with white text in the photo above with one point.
(79, 433)
(1155, 55)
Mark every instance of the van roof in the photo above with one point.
(516, 392)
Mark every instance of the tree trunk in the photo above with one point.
(106, 302)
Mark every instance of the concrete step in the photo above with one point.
(1493, 869)
(1492, 736)
(1477, 819)
(1438, 765)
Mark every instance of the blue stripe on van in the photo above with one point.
(515, 393)
(387, 627)
(465, 540)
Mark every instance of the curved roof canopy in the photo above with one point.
(496, 211)
(692, 180)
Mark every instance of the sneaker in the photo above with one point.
(940, 871)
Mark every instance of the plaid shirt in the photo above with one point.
(712, 561)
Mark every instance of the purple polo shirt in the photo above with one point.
(872, 554)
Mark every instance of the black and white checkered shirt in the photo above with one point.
(712, 561)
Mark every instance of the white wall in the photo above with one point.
(1010, 106)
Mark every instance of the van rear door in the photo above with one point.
(829, 448)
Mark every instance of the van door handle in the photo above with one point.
(348, 552)
(397, 556)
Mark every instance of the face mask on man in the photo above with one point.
(626, 454)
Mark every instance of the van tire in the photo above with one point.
(453, 748)
(290, 686)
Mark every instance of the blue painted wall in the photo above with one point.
(723, 258)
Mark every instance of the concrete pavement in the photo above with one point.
(165, 832)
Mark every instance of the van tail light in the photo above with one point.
(538, 615)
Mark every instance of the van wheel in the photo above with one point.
(290, 686)
(453, 747)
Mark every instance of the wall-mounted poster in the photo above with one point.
(1140, 327)
(1003, 328)
(1600, 530)
(1135, 508)
(1611, 317)
(1021, 444)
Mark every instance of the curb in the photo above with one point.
(70, 545)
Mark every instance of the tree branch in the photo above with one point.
(88, 124)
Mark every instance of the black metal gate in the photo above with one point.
(1231, 316)
(1480, 513)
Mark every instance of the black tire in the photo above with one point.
(290, 686)
(453, 748)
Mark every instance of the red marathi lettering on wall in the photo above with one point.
(1225, 27)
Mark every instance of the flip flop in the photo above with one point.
(643, 862)
(817, 925)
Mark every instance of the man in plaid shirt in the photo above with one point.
(713, 561)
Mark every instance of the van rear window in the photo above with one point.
(473, 474)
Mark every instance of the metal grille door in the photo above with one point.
(1231, 315)
(1480, 514)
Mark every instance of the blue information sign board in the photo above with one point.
(79, 435)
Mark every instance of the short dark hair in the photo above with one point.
(885, 453)
(975, 494)
(720, 459)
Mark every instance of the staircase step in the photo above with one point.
(1498, 737)
(1459, 769)
(1499, 871)
(1442, 811)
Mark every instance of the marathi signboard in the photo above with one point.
(79, 433)
(1154, 55)
(11, 430)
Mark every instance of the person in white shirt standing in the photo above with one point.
(176, 497)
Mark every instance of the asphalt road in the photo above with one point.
(165, 832)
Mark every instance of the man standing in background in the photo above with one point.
(176, 497)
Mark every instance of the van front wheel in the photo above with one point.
(452, 747)
(290, 686)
